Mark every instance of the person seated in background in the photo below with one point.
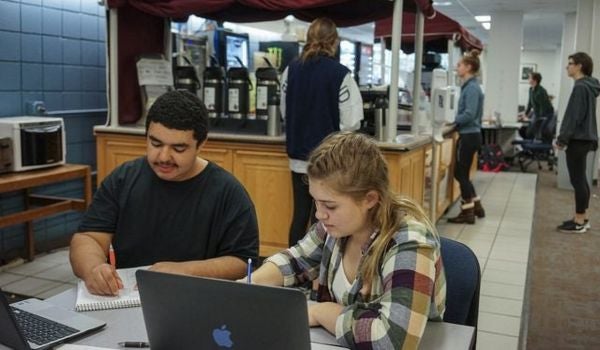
(171, 209)
(539, 106)
(375, 254)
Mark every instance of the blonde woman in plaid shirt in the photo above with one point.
(376, 255)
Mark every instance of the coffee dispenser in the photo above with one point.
(267, 91)
(380, 115)
(214, 83)
(186, 79)
(238, 88)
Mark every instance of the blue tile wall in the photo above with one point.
(32, 76)
(52, 21)
(31, 19)
(31, 48)
(10, 40)
(71, 51)
(10, 18)
(11, 76)
(53, 51)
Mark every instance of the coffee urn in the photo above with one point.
(380, 111)
(267, 88)
(238, 88)
(214, 83)
(273, 116)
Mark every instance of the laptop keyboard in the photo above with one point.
(40, 330)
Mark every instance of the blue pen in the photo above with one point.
(249, 274)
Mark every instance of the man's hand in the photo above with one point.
(103, 280)
(178, 268)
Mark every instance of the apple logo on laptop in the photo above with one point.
(222, 337)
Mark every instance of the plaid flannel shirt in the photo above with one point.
(409, 290)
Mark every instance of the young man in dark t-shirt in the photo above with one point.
(171, 209)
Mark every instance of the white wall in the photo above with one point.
(502, 65)
(548, 65)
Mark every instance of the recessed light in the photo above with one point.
(442, 3)
(486, 25)
(484, 18)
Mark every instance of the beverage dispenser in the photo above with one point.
(267, 86)
(214, 83)
(238, 88)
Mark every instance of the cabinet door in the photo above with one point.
(114, 150)
(266, 177)
(220, 156)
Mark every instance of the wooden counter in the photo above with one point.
(260, 163)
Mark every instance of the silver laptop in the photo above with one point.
(183, 312)
(37, 324)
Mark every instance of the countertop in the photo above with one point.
(406, 142)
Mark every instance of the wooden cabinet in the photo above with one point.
(263, 169)
(406, 172)
(266, 176)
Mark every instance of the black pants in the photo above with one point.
(304, 210)
(576, 152)
(468, 145)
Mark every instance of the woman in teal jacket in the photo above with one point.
(468, 123)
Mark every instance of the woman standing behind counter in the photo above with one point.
(319, 97)
(468, 123)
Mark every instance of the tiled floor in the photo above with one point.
(500, 241)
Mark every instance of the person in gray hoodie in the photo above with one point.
(579, 135)
(468, 123)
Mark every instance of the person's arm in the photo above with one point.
(268, 274)
(471, 97)
(284, 81)
(573, 114)
(529, 105)
(350, 105)
(89, 247)
(225, 267)
(297, 264)
(88, 254)
(400, 314)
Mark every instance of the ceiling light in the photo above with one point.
(442, 3)
(486, 25)
(483, 18)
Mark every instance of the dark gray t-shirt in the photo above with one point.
(207, 216)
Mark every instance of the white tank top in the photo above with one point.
(340, 285)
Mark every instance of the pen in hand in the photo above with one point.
(111, 256)
(249, 274)
(134, 344)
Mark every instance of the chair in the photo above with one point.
(539, 148)
(463, 279)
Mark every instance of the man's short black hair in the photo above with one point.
(180, 110)
(537, 77)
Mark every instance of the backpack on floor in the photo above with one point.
(491, 158)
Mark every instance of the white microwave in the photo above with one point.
(34, 142)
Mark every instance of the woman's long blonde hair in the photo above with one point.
(352, 164)
(321, 39)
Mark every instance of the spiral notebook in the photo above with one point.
(129, 296)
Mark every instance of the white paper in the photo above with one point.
(154, 72)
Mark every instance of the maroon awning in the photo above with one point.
(343, 12)
(437, 28)
(141, 23)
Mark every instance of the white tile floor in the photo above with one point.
(500, 241)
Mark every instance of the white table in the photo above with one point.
(128, 324)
